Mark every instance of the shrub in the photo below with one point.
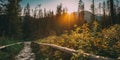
(91, 39)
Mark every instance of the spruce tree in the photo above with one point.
(13, 14)
(112, 12)
(27, 22)
(81, 9)
(93, 10)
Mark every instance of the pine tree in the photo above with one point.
(59, 10)
(104, 13)
(112, 12)
(108, 7)
(3, 19)
(100, 8)
(40, 13)
(45, 12)
(1, 6)
(117, 6)
(13, 11)
(27, 10)
(27, 26)
(35, 13)
(93, 10)
(117, 11)
(81, 10)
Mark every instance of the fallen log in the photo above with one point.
(64, 49)
(1, 47)
(72, 51)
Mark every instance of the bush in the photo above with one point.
(91, 39)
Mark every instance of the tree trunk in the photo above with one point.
(112, 14)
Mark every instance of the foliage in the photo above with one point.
(104, 42)
(90, 38)
(14, 23)
(9, 53)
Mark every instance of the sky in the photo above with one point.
(71, 5)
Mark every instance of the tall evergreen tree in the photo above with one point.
(27, 29)
(1, 6)
(13, 10)
(100, 8)
(108, 7)
(2, 18)
(59, 10)
(104, 14)
(45, 12)
(93, 10)
(40, 13)
(27, 10)
(112, 12)
(81, 9)
(35, 12)
(117, 6)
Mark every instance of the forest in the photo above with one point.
(96, 32)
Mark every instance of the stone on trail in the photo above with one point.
(26, 53)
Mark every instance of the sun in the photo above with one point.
(69, 12)
(70, 5)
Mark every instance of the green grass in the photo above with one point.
(10, 52)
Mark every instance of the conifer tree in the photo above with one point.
(81, 9)
(112, 12)
(27, 26)
(93, 10)
(13, 14)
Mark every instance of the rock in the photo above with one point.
(118, 58)
(26, 53)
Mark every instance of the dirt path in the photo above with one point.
(26, 53)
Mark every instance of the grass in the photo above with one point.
(10, 52)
